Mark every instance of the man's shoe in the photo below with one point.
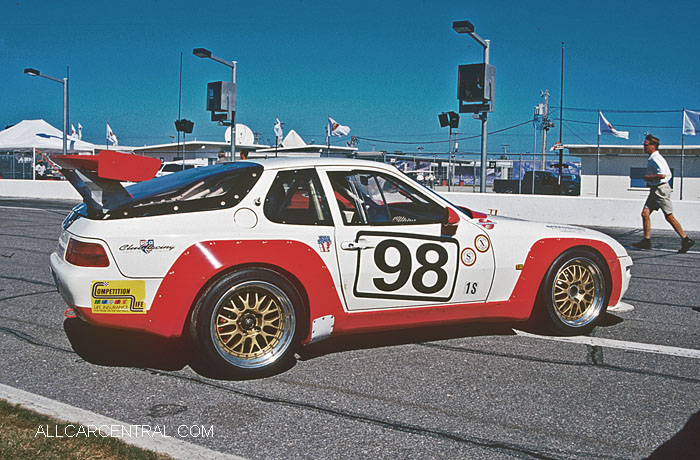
(686, 243)
(644, 244)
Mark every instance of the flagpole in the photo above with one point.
(328, 136)
(597, 160)
(682, 149)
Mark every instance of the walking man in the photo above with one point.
(658, 177)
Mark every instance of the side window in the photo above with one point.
(296, 197)
(379, 199)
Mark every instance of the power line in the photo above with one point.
(624, 126)
(577, 109)
(442, 142)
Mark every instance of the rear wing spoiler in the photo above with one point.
(98, 178)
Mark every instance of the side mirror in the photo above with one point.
(450, 222)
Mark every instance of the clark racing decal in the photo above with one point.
(118, 297)
(146, 246)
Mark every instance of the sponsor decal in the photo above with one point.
(324, 243)
(118, 297)
(566, 229)
(468, 257)
(482, 243)
(146, 246)
(486, 223)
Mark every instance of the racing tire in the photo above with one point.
(575, 292)
(247, 324)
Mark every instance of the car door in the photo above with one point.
(391, 248)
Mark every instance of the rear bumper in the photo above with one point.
(74, 284)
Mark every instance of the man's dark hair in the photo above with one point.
(652, 140)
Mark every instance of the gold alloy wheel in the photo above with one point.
(253, 324)
(578, 292)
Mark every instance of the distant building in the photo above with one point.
(622, 169)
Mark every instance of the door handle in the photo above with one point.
(356, 245)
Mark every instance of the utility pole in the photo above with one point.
(546, 124)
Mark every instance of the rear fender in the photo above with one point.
(200, 263)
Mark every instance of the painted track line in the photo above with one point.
(620, 344)
(172, 446)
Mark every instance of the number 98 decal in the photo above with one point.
(400, 266)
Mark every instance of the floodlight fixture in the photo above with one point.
(201, 52)
(463, 27)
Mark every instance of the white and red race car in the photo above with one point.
(252, 259)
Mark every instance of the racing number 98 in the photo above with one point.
(404, 267)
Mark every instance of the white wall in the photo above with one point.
(602, 212)
(614, 179)
(53, 189)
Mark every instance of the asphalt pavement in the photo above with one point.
(477, 391)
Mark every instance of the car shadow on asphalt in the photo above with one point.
(117, 348)
(398, 337)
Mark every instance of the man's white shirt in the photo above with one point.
(657, 165)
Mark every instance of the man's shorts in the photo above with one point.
(660, 198)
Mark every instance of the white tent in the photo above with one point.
(38, 134)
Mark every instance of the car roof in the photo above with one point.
(310, 162)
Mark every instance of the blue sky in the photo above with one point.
(386, 69)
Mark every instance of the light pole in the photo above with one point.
(64, 82)
(466, 27)
(205, 53)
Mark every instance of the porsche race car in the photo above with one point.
(252, 259)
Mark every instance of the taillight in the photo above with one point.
(86, 254)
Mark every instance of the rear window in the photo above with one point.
(197, 189)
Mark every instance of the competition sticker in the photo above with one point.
(119, 297)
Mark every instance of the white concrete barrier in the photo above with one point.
(577, 210)
(54, 189)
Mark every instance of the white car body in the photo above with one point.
(352, 276)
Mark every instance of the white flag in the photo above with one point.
(110, 135)
(604, 127)
(691, 123)
(80, 131)
(72, 130)
(278, 130)
(334, 129)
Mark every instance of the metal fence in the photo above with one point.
(606, 175)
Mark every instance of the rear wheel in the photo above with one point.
(246, 324)
(575, 292)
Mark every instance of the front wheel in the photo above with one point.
(575, 292)
(246, 324)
